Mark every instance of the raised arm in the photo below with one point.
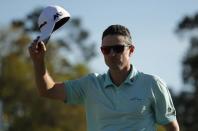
(47, 87)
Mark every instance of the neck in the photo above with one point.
(119, 76)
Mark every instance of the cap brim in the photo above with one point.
(46, 32)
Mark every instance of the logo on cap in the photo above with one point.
(57, 15)
(44, 23)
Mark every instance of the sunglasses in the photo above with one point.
(115, 48)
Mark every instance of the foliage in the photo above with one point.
(187, 102)
(22, 106)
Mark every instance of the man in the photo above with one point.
(123, 99)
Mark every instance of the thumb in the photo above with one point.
(43, 46)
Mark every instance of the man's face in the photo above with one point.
(116, 52)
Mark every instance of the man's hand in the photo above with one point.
(37, 51)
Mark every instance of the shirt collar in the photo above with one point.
(129, 80)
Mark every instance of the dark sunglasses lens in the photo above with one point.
(118, 48)
(105, 50)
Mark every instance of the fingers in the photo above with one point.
(37, 47)
(34, 43)
(43, 46)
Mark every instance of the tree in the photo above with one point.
(23, 108)
(187, 102)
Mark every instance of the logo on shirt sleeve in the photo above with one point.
(171, 111)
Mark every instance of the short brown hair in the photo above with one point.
(117, 30)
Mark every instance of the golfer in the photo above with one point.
(122, 99)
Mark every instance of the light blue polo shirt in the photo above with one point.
(139, 103)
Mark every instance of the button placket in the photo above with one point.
(118, 98)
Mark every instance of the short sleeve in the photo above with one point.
(162, 102)
(76, 90)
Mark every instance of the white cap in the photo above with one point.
(50, 19)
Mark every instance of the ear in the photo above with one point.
(132, 48)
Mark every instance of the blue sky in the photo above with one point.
(152, 23)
